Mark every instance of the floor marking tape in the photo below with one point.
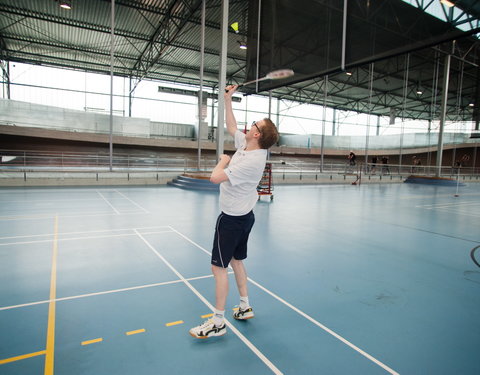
(326, 329)
(79, 238)
(129, 333)
(111, 205)
(174, 323)
(20, 357)
(136, 204)
(247, 342)
(87, 232)
(105, 292)
(50, 215)
(50, 346)
(94, 341)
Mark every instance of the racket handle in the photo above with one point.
(255, 80)
(249, 82)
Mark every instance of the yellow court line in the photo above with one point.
(50, 350)
(20, 357)
(206, 316)
(94, 341)
(174, 323)
(135, 332)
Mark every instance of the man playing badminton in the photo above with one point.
(238, 178)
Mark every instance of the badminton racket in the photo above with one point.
(276, 74)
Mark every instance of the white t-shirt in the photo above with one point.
(239, 194)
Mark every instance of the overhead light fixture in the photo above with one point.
(471, 104)
(243, 45)
(65, 5)
(447, 3)
(348, 73)
(419, 89)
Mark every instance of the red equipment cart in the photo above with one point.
(265, 186)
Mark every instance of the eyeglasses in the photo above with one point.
(255, 124)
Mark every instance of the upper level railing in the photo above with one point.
(57, 161)
(85, 161)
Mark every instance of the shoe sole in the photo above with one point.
(206, 337)
(246, 318)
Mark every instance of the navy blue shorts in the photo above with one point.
(231, 237)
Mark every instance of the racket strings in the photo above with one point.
(282, 73)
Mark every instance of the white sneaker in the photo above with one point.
(208, 329)
(243, 314)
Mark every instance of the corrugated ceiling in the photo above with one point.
(160, 39)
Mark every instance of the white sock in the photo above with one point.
(244, 303)
(218, 317)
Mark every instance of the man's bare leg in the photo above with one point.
(221, 287)
(240, 276)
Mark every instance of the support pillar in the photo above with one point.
(112, 46)
(325, 93)
(130, 97)
(278, 115)
(334, 122)
(222, 79)
(201, 103)
(443, 112)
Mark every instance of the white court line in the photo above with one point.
(52, 215)
(102, 293)
(442, 205)
(79, 238)
(86, 232)
(457, 212)
(408, 197)
(136, 204)
(54, 190)
(48, 200)
(455, 208)
(105, 199)
(306, 316)
(247, 342)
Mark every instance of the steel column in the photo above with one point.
(112, 44)
(325, 93)
(200, 95)
(278, 116)
(222, 80)
(344, 34)
(257, 74)
(405, 94)
(443, 111)
(370, 89)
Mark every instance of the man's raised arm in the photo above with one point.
(229, 117)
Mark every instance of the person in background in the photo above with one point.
(385, 168)
(374, 164)
(352, 158)
(414, 163)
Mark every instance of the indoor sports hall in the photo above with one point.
(344, 280)
(122, 127)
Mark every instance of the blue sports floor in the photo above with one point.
(370, 279)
